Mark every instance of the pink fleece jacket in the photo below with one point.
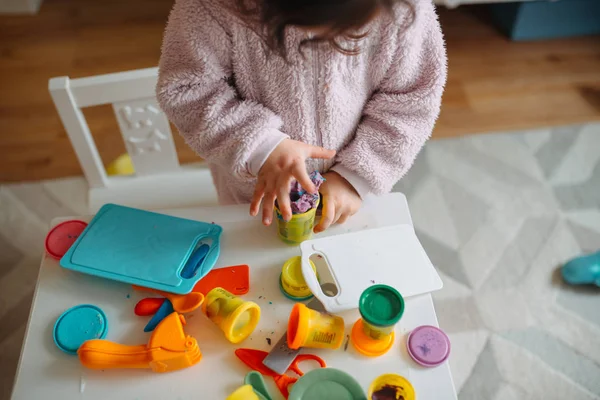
(234, 101)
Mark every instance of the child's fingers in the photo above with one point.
(343, 218)
(320, 152)
(299, 172)
(268, 204)
(283, 201)
(338, 215)
(259, 192)
(327, 215)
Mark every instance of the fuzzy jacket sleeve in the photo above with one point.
(194, 91)
(400, 115)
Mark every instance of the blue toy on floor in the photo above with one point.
(583, 270)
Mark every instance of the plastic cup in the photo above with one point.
(299, 228)
(291, 280)
(314, 329)
(381, 307)
(234, 316)
(391, 386)
(244, 393)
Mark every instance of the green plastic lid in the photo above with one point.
(381, 305)
(327, 383)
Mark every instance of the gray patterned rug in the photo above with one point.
(497, 213)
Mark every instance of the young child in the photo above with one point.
(269, 90)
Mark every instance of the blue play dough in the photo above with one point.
(163, 312)
(583, 270)
(77, 325)
(193, 263)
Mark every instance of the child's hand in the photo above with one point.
(286, 162)
(340, 201)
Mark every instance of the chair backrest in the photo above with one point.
(159, 181)
(144, 127)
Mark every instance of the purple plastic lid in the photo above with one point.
(428, 346)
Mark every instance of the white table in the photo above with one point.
(46, 373)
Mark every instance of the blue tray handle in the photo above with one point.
(190, 269)
(213, 254)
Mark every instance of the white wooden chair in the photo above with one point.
(159, 181)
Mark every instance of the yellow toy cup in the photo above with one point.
(299, 228)
(377, 332)
(291, 280)
(235, 317)
(243, 393)
(381, 307)
(310, 328)
(391, 386)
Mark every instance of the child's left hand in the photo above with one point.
(340, 201)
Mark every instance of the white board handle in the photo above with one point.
(311, 278)
(329, 303)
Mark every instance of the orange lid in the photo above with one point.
(297, 326)
(367, 346)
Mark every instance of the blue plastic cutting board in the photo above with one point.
(142, 248)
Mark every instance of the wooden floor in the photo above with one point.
(494, 84)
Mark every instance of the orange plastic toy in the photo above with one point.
(235, 280)
(169, 349)
(182, 303)
(254, 359)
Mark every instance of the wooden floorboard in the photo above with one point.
(494, 84)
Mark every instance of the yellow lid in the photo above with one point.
(368, 346)
(391, 386)
(292, 280)
(243, 393)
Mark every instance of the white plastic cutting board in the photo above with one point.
(392, 256)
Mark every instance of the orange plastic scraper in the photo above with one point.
(235, 280)
(169, 349)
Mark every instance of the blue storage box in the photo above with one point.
(547, 20)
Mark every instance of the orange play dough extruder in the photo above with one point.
(169, 349)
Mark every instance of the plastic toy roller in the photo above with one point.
(169, 349)
(583, 270)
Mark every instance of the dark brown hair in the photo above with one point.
(339, 19)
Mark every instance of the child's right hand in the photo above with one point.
(285, 163)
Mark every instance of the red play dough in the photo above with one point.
(62, 237)
(148, 306)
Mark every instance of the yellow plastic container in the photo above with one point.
(377, 332)
(243, 393)
(299, 228)
(380, 307)
(391, 386)
(291, 280)
(234, 316)
(314, 329)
